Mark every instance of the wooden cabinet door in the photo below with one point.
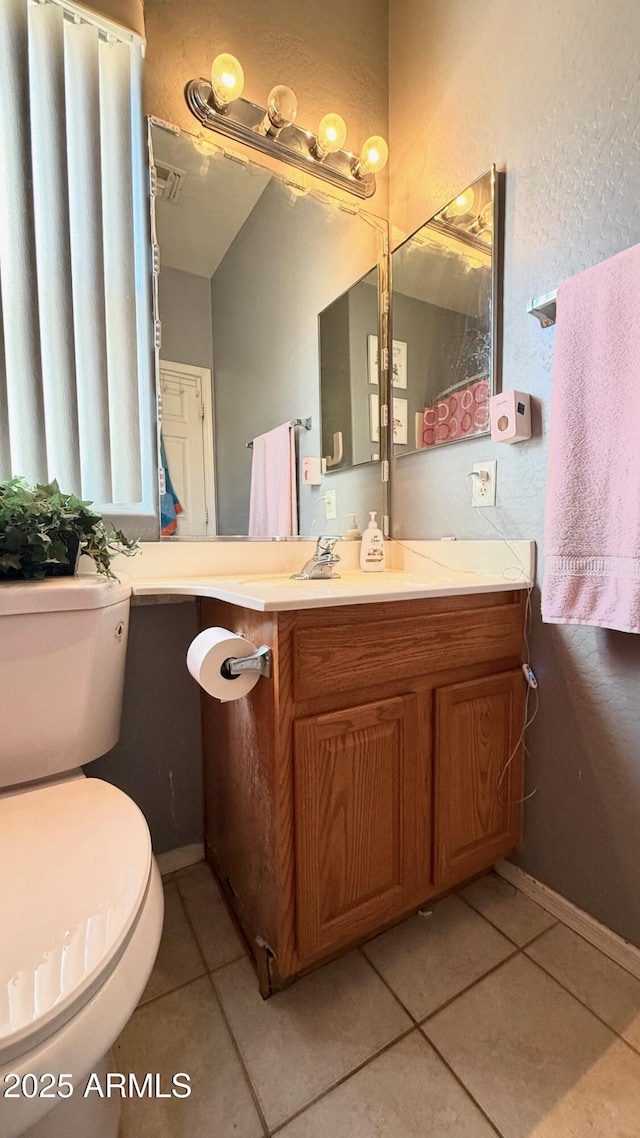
(361, 820)
(478, 724)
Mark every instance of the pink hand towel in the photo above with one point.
(273, 505)
(592, 524)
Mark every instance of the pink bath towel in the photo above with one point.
(273, 506)
(592, 524)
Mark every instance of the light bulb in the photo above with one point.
(227, 80)
(462, 204)
(331, 136)
(373, 156)
(282, 110)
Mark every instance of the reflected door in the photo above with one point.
(187, 432)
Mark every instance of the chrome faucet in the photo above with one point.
(320, 566)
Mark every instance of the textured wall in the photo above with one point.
(333, 54)
(127, 12)
(157, 759)
(550, 92)
(184, 302)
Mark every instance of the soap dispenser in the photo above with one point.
(372, 547)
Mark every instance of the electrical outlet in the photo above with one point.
(483, 493)
(330, 505)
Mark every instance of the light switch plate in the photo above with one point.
(484, 493)
(330, 505)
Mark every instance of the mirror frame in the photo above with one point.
(497, 280)
(240, 152)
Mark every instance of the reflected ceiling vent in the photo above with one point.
(169, 182)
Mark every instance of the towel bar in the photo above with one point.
(544, 308)
(306, 423)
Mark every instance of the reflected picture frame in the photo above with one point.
(400, 421)
(399, 362)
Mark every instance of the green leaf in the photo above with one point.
(40, 526)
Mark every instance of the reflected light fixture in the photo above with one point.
(462, 204)
(331, 136)
(227, 81)
(373, 156)
(282, 110)
(203, 146)
(219, 106)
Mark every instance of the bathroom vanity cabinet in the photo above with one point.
(361, 780)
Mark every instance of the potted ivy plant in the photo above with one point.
(43, 532)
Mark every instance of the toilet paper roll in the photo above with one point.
(205, 657)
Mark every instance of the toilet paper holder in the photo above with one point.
(259, 661)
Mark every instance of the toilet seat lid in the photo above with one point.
(76, 861)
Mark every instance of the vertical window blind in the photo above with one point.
(77, 398)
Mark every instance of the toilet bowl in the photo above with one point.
(81, 903)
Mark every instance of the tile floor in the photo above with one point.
(485, 1017)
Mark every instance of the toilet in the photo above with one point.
(81, 903)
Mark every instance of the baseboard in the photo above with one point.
(613, 946)
(180, 858)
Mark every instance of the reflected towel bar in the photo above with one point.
(544, 308)
(306, 423)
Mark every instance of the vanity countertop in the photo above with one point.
(277, 592)
(417, 569)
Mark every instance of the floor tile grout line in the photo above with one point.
(245, 1070)
(485, 918)
(461, 1084)
(561, 984)
(170, 991)
(539, 936)
(361, 950)
(242, 955)
(441, 1007)
(468, 987)
(499, 930)
(413, 1027)
(225, 1019)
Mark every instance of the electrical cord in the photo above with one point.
(532, 684)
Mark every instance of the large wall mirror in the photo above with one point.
(248, 265)
(446, 302)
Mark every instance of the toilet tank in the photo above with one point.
(63, 645)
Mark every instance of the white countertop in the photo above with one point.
(417, 569)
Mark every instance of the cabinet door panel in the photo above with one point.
(477, 727)
(360, 776)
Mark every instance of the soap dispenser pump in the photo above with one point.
(372, 547)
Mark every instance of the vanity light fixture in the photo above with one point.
(218, 105)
